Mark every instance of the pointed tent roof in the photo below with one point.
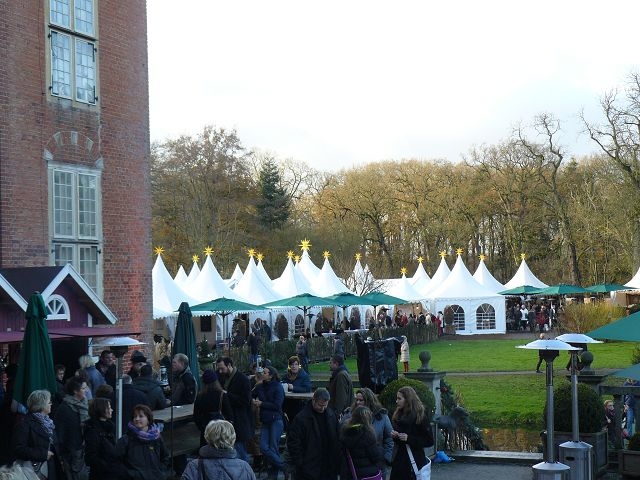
(484, 277)
(210, 285)
(524, 277)
(167, 295)
(291, 282)
(252, 287)
(438, 278)
(635, 281)
(402, 288)
(308, 268)
(235, 277)
(420, 275)
(263, 273)
(180, 277)
(327, 282)
(193, 273)
(460, 284)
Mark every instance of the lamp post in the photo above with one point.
(549, 350)
(579, 452)
(119, 346)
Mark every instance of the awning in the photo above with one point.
(16, 337)
(92, 331)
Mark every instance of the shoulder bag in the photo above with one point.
(425, 472)
(377, 476)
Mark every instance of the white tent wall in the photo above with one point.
(470, 306)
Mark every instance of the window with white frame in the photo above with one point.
(73, 50)
(58, 308)
(75, 215)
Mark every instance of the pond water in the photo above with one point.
(512, 440)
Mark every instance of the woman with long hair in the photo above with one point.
(411, 428)
(269, 396)
(380, 421)
(100, 443)
(360, 448)
(141, 447)
(211, 404)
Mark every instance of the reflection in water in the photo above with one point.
(512, 440)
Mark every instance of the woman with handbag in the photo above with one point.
(211, 404)
(363, 457)
(269, 396)
(411, 434)
(34, 437)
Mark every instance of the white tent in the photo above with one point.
(420, 275)
(180, 277)
(438, 278)
(263, 273)
(483, 277)
(291, 282)
(193, 273)
(524, 277)
(327, 282)
(635, 281)
(402, 288)
(253, 288)
(475, 309)
(359, 278)
(235, 277)
(307, 268)
(209, 285)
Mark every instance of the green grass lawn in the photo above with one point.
(500, 400)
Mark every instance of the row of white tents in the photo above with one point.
(473, 299)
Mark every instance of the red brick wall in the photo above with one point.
(115, 130)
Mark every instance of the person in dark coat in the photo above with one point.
(34, 438)
(302, 351)
(411, 426)
(69, 417)
(100, 443)
(252, 343)
(340, 385)
(141, 448)
(151, 388)
(107, 367)
(358, 438)
(269, 397)
(130, 398)
(237, 387)
(211, 404)
(183, 385)
(312, 440)
(137, 361)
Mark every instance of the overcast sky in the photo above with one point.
(341, 83)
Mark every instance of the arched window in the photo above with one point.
(456, 314)
(58, 308)
(486, 317)
(299, 325)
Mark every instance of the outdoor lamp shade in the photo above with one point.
(547, 345)
(576, 338)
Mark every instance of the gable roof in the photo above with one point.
(523, 277)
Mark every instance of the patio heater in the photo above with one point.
(579, 455)
(119, 346)
(549, 350)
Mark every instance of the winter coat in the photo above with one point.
(419, 437)
(219, 464)
(271, 395)
(382, 426)
(367, 456)
(95, 379)
(312, 454)
(153, 390)
(206, 405)
(183, 388)
(31, 442)
(302, 382)
(143, 459)
(340, 389)
(239, 392)
(100, 451)
(130, 398)
(68, 428)
(405, 354)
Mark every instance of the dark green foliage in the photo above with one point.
(274, 204)
(472, 433)
(635, 355)
(634, 442)
(590, 409)
(388, 395)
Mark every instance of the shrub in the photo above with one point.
(584, 317)
(590, 410)
(635, 355)
(634, 442)
(388, 395)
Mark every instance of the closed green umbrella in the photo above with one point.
(184, 340)
(35, 368)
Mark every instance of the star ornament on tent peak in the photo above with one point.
(291, 254)
(195, 258)
(358, 256)
(482, 256)
(420, 259)
(326, 254)
(305, 244)
(297, 258)
(443, 253)
(458, 251)
(260, 256)
(403, 270)
(208, 251)
(158, 250)
(251, 252)
(522, 255)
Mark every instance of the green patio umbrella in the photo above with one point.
(521, 290)
(626, 329)
(35, 368)
(184, 339)
(632, 372)
(606, 288)
(344, 300)
(378, 298)
(304, 302)
(561, 289)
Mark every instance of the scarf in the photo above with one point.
(46, 423)
(81, 407)
(152, 434)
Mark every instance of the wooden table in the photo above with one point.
(180, 413)
(298, 395)
(182, 437)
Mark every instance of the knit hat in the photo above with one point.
(209, 376)
(138, 357)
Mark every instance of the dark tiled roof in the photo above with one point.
(27, 280)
